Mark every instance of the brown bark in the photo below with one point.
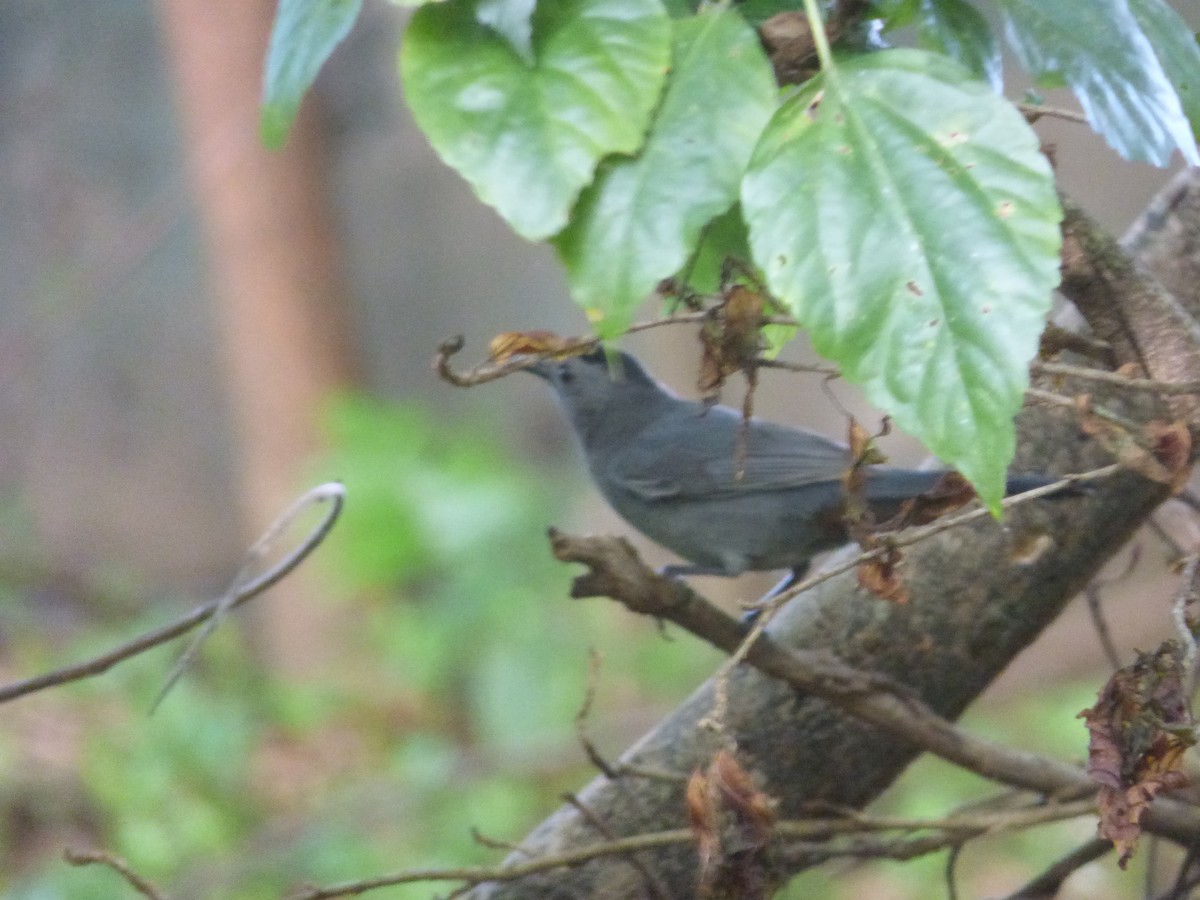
(274, 261)
(1128, 306)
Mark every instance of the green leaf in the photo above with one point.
(641, 218)
(956, 28)
(1176, 48)
(304, 34)
(758, 11)
(512, 20)
(895, 13)
(722, 238)
(1099, 50)
(680, 9)
(725, 238)
(903, 213)
(528, 135)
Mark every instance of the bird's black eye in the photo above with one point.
(565, 375)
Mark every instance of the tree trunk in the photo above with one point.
(274, 260)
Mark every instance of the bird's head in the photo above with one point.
(599, 385)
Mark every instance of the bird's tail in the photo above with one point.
(893, 485)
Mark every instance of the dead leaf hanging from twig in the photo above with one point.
(1140, 727)
(733, 823)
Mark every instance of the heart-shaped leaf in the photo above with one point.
(527, 134)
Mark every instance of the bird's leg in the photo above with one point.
(791, 579)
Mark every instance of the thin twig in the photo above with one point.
(491, 370)
(1050, 398)
(610, 771)
(951, 830)
(809, 368)
(1149, 385)
(1094, 599)
(1168, 539)
(654, 883)
(1047, 885)
(118, 865)
(496, 844)
(1035, 111)
(1182, 888)
(585, 708)
(258, 551)
(951, 869)
(333, 492)
(481, 874)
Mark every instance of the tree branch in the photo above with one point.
(617, 572)
(239, 592)
(1127, 306)
(808, 838)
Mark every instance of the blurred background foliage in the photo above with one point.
(454, 708)
(419, 677)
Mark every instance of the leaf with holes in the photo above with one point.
(903, 213)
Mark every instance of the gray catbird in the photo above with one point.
(667, 465)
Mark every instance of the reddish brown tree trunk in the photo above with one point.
(275, 267)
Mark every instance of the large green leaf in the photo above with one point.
(527, 135)
(641, 218)
(1176, 48)
(903, 212)
(896, 14)
(512, 20)
(723, 238)
(957, 29)
(304, 34)
(1099, 49)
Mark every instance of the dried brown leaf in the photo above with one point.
(1171, 444)
(1121, 443)
(730, 336)
(733, 823)
(951, 492)
(510, 343)
(882, 577)
(1138, 731)
(856, 510)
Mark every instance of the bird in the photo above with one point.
(673, 470)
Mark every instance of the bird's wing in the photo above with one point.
(702, 462)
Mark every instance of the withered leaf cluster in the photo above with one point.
(1140, 727)
(733, 824)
